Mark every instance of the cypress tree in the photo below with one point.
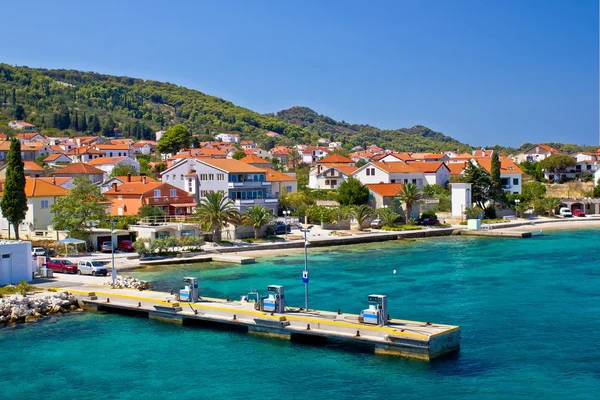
(83, 123)
(14, 97)
(496, 181)
(14, 201)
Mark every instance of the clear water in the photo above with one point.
(529, 312)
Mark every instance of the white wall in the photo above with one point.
(15, 262)
(461, 198)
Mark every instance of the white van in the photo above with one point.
(565, 212)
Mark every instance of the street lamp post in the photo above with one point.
(112, 243)
(305, 272)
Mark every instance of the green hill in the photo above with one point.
(75, 103)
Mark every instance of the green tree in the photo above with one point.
(14, 97)
(151, 212)
(19, 113)
(216, 210)
(14, 201)
(352, 192)
(360, 213)
(480, 183)
(409, 195)
(558, 163)
(83, 123)
(79, 210)
(258, 216)
(550, 205)
(388, 216)
(123, 170)
(473, 212)
(532, 191)
(596, 192)
(174, 139)
(94, 124)
(360, 163)
(496, 191)
(521, 208)
(238, 154)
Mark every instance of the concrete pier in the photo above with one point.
(419, 340)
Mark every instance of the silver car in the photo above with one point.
(92, 268)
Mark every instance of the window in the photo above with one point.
(181, 177)
(203, 177)
(515, 181)
(333, 182)
(504, 181)
(288, 189)
(44, 203)
(119, 197)
(174, 177)
(406, 181)
(393, 181)
(327, 181)
(157, 193)
(211, 177)
(414, 181)
(203, 193)
(220, 177)
(173, 192)
(167, 178)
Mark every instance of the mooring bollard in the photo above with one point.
(140, 304)
(339, 311)
(107, 300)
(357, 333)
(308, 327)
(234, 317)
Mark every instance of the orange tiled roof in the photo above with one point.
(427, 166)
(343, 168)
(395, 166)
(134, 178)
(231, 165)
(27, 135)
(336, 159)
(385, 189)
(457, 168)
(254, 159)
(53, 157)
(507, 166)
(55, 180)
(31, 166)
(39, 187)
(79, 168)
(83, 150)
(276, 176)
(106, 160)
(112, 147)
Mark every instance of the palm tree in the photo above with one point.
(258, 216)
(216, 210)
(361, 213)
(551, 204)
(473, 212)
(388, 216)
(409, 195)
(522, 208)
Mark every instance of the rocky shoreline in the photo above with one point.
(17, 308)
(129, 282)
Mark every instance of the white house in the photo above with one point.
(16, 264)
(329, 176)
(536, 153)
(115, 150)
(393, 172)
(245, 184)
(57, 159)
(107, 164)
(228, 137)
(510, 173)
(41, 195)
(434, 172)
(280, 182)
(22, 125)
(312, 154)
(144, 147)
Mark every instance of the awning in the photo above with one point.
(71, 241)
(183, 205)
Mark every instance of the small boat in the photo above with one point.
(537, 233)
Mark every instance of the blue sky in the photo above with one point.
(483, 71)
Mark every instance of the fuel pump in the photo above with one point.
(377, 313)
(190, 292)
(275, 300)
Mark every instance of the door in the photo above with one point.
(6, 269)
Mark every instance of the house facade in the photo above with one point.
(329, 176)
(129, 197)
(22, 125)
(107, 164)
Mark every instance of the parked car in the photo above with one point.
(565, 212)
(578, 213)
(427, 221)
(92, 268)
(107, 247)
(281, 228)
(64, 266)
(376, 223)
(125, 245)
(38, 251)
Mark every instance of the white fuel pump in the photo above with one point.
(275, 300)
(190, 292)
(377, 313)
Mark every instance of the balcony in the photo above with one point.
(246, 202)
(166, 200)
(248, 184)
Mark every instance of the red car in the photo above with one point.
(578, 213)
(125, 245)
(64, 266)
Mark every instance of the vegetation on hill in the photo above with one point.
(76, 102)
(416, 139)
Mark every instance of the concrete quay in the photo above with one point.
(418, 340)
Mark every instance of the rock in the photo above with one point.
(30, 318)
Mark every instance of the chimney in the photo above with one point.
(114, 186)
(129, 177)
(54, 180)
(144, 180)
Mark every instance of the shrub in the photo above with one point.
(402, 228)
(490, 212)
(429, 214)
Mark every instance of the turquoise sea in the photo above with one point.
(529, 311)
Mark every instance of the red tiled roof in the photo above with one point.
(254, 159)
(385, 189)
(79, 168)
(335, 159)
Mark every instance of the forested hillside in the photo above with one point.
(418, 138)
